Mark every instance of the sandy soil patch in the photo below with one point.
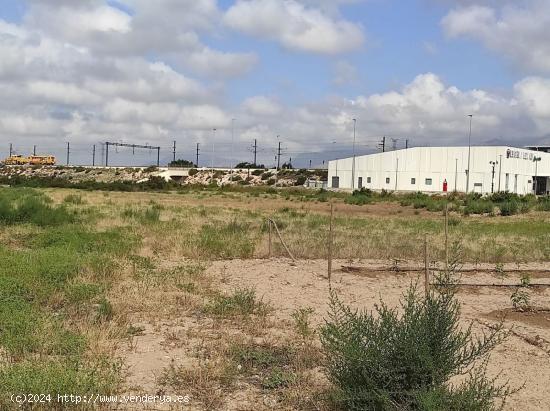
(287, 286)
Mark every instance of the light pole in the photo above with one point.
(493, 163)
(536, 161)
(353, 164)
(232, 139)
(212, 159)
(499, 171)
(469, 150)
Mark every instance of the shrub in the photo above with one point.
(478, 206)
(389, 360)
(544, 204)
(302, 322)
(508, 208)
(193, 172)
(74, 199)
(300, 181)
(243, 302)
(22, 207)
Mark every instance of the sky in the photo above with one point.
(295, 72)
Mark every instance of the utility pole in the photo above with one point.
(68, 151)
(198, 151)
(11, 149)
(174, 152)
(232, 141)
(469, 150)
(158, 156)
(34, 150)
(255, 151)
(93, 156)
(279, 156)
(107, 154)
(212, 159)
(310, 164)
(353, 164)
(406, 143)
(382, 145)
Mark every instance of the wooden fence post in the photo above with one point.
(270, 229)
(446, 237)
(426, 267)
(329, 268)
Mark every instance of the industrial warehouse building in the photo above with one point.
(440, 169)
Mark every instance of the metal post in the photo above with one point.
(493, 164)
(93, 156)
(107, 154)
(174, 152)
(232, 141)
(34, 150)
(447, 237)
(158, 156)
(198, 150)
(330, 233)
(279, 156)
(499, 171)
(11, 149)
(270, 230)
(212, 159)
(255, 151)
(353, 163)
(426, 267)
(469, 150)
(68, 151)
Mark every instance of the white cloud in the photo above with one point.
(261, 106)
(167, 29)
(516, 30)
(295, 26)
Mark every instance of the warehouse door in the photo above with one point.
(335, 182)
(540, 186)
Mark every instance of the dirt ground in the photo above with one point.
(170, 338)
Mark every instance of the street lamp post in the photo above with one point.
(353, 164)
(499, 171)
(493, 164)
(212, 159)
(469, 150)
(232, 139)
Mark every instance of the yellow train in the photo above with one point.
(19, 160)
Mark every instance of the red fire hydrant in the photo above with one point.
(445, 186)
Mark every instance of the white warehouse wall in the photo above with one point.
(443, 163)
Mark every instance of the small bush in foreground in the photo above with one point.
(389, 361)
(243, 301)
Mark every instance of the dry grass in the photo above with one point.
(231, 342)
